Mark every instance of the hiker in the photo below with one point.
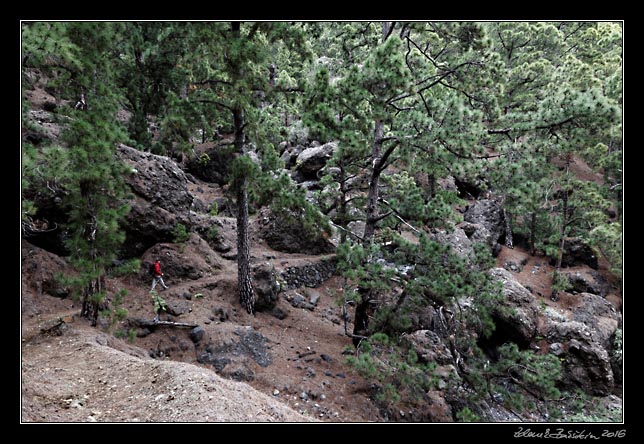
(158, 276)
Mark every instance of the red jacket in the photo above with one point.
(157, 269)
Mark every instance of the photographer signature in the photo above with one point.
(568, 434)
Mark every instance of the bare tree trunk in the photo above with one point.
(562, 245)
(508, 230)
(244, 282)
(374, 181)
(533, 228)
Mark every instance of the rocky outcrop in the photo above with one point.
(457, 239)
(157, 179)
(289, 155)
(234, 351)
(584, 340)
(429, 347)
(585, 281)
(489, 215)
(576, 252)
(517, 314)
(287, 233)
(313, 159)
(161, 200)
(213, 165)
(192, 260)
(266, 287)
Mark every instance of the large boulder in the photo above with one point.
(234, 352)
(213, 165)
(161, 200)
(583, 337)
(517, 315)
(586, 364)
(266, 286)
(287, 233)
(489, 214)
(157, 179)
(313, 159)
(577, 252)
(586, 281)
(429, 347)
(599, 315)
(457, 239)
(192, 260)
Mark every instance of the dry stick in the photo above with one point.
(395, 213)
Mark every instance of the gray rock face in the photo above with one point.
(576, 252)
(234, 355)
(161, 193)
(521, 319)
(587, 364)
(192, 261)
(429, 347)
(215, 167)
(585, 340)
(158, 179)
(583, 281)
(313, 159)
(457, 239)
(288, 234)
(487, 213)
(266, 287)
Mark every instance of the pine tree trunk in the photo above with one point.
(374, 181)
(509, 242)
(562, 245)
(244, 282)
(432, 186)
(533, 229)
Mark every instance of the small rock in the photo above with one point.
(304, 396)
(276, 392)
(197, 334)
(325, 357)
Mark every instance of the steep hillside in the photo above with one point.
(356, 222)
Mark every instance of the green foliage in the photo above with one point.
(115, 313)
(204, 159)
(560, 282)
(214, 209)
(158, 302)
(127, 268)
(213, 233)
(180, 233)
(394, 368)
(467, 415)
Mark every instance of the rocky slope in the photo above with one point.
(288, 362)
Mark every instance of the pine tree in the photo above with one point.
(95, 186)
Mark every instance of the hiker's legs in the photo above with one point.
(162, 283)
(154, 283)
